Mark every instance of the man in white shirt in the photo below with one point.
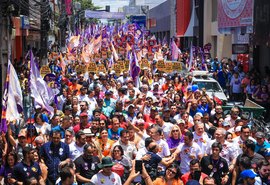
(188, 150)
(201, 137)
(239, 140)
(106, 176)
(76, 148)
(156, 135)
(130, 149)
(166, 126)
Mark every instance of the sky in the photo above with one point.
(115, 4)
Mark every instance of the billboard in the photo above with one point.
(235, 13)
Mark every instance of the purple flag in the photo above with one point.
(134, 69)
(40, 91)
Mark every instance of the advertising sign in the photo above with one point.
(235, 13)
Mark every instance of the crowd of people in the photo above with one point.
(105, 127)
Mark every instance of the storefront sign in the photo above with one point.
(240, 48)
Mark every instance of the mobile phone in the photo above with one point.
(138, 166)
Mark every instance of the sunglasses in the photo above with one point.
(175, 130)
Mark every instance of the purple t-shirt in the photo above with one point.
(173, 143)
(6, 172)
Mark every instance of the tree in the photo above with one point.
(87, 5)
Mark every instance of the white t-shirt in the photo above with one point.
(75, 151)
(42, 129)
(228, 151)
(164, 149)
(167, 129)
(202, 141)
(100, 179)
(187, 153)
(130, 149)
(238, 144)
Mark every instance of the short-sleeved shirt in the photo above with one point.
(6, 172)
(202, 141)
(254, 160)
(151, 166)
(86, 167)
(100, 179)
(114, 135)
(52, 156)
(217, 168)
(22, 171)
(187, 153)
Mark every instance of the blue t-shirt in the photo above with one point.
(265, 145)
(22, 171)
(114, 135)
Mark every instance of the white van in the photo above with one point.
(202, 79)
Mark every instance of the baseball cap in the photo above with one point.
(131, 105)
(83, 114)
(108, 92)
(22, 134)
(259, 135)
(248, 174)
(166, 109)
(238, 129)
(155, 83)
(225, 123)
(180, 121)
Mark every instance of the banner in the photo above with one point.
(235, 13)
(104, 15)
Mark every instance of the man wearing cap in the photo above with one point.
(76, 148)
(83, 124)
(109, 103)
(226, 125)
(130, 113)
(106, 176)
(124, 78)
(86, 165)
(248, 177)
(261, 142)
(157, 92)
